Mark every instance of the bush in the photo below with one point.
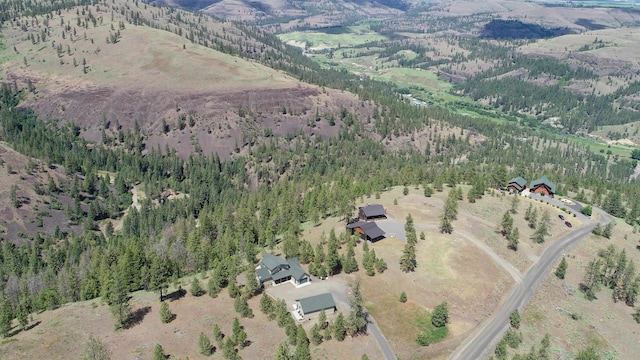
(514, 319)
(423, 339)
(403, 297)
(587, 210)
(513, 339)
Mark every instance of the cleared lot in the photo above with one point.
(336, 286)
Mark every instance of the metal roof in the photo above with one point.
(315, 303)
(271, 261)
(373, 210)
(543, 180)
(372, 230)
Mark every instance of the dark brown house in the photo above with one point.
(367, 230)
(371, 212)
(543, 186)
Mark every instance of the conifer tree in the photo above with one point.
(204, 344)
(562, 268)
(339, 329)
(302, 345)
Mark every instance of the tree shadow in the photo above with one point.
(176, 295)
(17, 329)
(137, 316)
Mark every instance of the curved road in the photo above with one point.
(484, 338)
(382, 341)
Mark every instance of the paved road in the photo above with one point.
(382, 341)
(487, 335)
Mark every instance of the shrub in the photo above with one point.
(403, 297)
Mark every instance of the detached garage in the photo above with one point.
(310, 306)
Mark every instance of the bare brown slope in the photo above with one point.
(209, 101)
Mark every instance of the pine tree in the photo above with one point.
(212, 287)
(239, 336)
(540, 233)
(267, 307)
(514, 239)
(357, 321)
(252, 287)
(562, 268)
(507, 224)
(284, 353)
(229, 350)
(440, 316)
(218, 336)
(158, 353)
(515, 201)
(592, 279)
(316, 336)
(204, 344)
(333, 259)
(607, 231)
(242, 307)
(166, 316)
(196, 288)
(339, 329)
(95, 350)
(322, 320)
(350, 264)
(533, 218)
(302, 345)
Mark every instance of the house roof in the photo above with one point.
(271, 261)
(519, 181)
(297, 272)
(263, 274)
(356, 224)
(315, 303)
(543, 181)
(372, 230)
(373, 210)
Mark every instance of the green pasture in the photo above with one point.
(334, 37)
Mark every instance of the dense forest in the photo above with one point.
(229, 217)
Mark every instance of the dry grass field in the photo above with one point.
(603, 324)
(62, 333)
(450, 267)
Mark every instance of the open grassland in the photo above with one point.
(62, 333)
(445, 263)
(142, 57)
(603, 324)
(333, 37)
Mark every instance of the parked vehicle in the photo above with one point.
(561, 217)
(568, 224)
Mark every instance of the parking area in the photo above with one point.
(392, 228)
(336, 286)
